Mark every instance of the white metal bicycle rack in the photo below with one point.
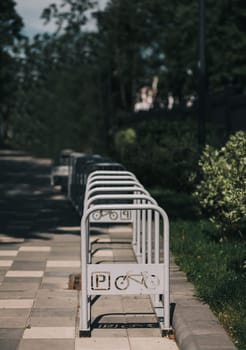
(118, 173)
(132, 204)
(113, 182)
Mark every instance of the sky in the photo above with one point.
(31, 10)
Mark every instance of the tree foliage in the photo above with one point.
(159, 153)
(57, 107)
(222, 189)
(74, 80)
(10, 31)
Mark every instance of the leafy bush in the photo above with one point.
(222, 189)
(124, 140)
(159, 153)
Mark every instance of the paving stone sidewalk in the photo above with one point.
(40, 250)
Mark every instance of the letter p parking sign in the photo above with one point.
(100, 281)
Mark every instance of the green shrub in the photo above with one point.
(222, 189)
(125, 139)
(159, 153)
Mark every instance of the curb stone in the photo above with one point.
(195, 325)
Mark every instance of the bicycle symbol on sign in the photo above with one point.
(149, 281)
(97, 215)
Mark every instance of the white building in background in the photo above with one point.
(145, 101)
(146, 97)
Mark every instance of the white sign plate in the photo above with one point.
(111, 216)
(125, 279)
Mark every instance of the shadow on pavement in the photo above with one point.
(29, 206)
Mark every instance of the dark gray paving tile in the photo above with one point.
(31, 256)
(46, 344)
(4, 270)
(53, 321)
(14, 313)
(214, 340)
(26, 265)
(18, 294)
(6, 246)
(20, 286)
(58, 312)
(9, 344)
(219, 347)
(26, 280)
(13, 322)
(14, 333)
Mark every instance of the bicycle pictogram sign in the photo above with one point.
(146, 279)
(117, 280)
(97, 215)
(111, 215)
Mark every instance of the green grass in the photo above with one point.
(217, 269)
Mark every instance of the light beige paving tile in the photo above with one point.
(24, 273)
(68, 228)
(152, 343)
(107, 304)
(56, 299)
(99, 240)
(126, 229)
(6, 263)
(7, 239)
(109, 332)
(49, 333)
(16, 303)
(55, 282)
(8, 252)
(63, 263)
(143, 332)
(57, 197)
(137, 304)
(35, 249)
(99, 343)
(103, 252)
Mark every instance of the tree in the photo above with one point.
(10, 31)
(57, 102)
(161, 37)
(131, 46)
(225, 44)
(88, 80)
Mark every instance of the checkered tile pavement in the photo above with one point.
(39, 250)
